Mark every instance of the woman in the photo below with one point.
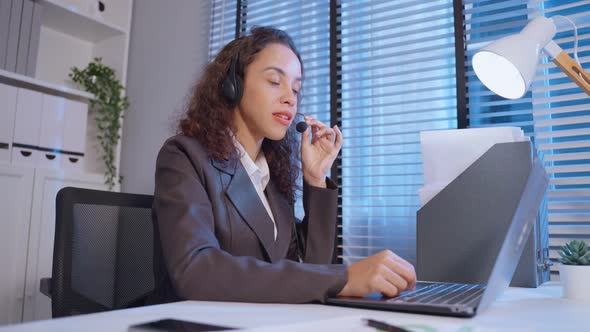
(225, 189)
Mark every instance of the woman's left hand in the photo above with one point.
(319, 152)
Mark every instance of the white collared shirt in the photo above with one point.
(259, 175)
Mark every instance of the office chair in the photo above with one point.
(102, 254)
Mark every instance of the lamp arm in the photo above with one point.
(573, 70)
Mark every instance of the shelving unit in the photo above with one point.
(26, 82)
(69, 36)
(71, 21)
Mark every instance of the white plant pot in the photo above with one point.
(576, 281)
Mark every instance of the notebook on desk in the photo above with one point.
(465, 300)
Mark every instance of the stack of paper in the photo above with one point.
(447, 153)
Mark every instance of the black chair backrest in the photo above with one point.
(103, 251)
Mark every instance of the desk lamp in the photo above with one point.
(507, 66)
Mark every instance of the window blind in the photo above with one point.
(222, 25)
(308, 24)
(397, 61)
(555, 113)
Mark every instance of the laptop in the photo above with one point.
(465, 300)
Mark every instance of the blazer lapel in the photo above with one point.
(282, 213)
(244, 197)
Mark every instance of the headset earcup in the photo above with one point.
(228, 89)
(232, 86)
(239, 89)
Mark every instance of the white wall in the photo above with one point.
(168, 49)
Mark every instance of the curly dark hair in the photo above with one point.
(209, 114)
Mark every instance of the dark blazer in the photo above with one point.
(217, 240)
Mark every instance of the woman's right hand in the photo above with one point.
(383, 272)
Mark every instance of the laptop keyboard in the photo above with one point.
(441, 293)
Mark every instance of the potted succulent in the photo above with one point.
(574, 271)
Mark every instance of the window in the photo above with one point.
(223, 25)
(386, 51)
(393, 75)
(398, 78)
(554, 113)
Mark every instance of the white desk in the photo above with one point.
(519, 309)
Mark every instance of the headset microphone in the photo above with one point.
(301, 126)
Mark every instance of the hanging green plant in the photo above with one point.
(109, 105)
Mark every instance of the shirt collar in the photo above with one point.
(257, 170)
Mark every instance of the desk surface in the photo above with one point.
(518, 309)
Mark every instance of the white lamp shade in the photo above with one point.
(508, 65)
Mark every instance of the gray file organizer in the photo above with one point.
(13, 35)
(5, 6)
(460, 230)
(34, 41)
(24, 36)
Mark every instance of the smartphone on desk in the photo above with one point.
(175, 325)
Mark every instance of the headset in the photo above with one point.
(232, 86)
